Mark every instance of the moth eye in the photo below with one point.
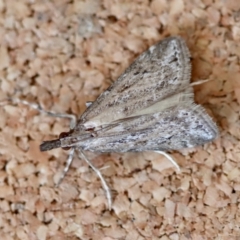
(63, 135)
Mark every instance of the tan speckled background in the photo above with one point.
(64, 53)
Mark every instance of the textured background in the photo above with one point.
(63, 53)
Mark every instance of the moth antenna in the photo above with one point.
(103, 181)
(170, 158)
(49, 145)
(67, 166)
(73, 119)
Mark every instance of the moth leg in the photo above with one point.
(104, 184)
(72, 118)
(67, 166)
(37, 107)
(170, 158)
(199, 82)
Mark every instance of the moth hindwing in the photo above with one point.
(149, 107)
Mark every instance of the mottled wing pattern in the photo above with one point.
(161, 71)
(175, 128)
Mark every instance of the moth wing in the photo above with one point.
(161, 71)
(178, 127)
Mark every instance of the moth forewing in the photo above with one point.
(172, 129)
(161, 71)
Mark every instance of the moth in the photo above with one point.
(150, 107)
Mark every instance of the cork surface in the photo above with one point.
(62, 54)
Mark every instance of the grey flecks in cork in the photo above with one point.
(150, 107)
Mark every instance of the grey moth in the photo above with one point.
(150, 107)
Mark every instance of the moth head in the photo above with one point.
(56, 143)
